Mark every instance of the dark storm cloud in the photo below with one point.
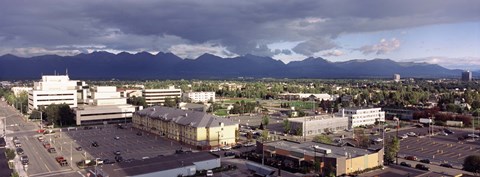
(240, 26)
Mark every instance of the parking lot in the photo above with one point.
(438, 148)
(130, 143)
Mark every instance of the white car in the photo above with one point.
(215, 149)
(403, 136)
(473, 135)
(226, 148)
(378, 139)
(443, 133)
(209, 173)
(411, 134)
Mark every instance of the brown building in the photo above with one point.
(341, 160)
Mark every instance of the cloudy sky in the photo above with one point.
(442, 32)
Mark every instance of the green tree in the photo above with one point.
(323, 139)
(265, 120)
(299, 131)
(286, 126)
(392, 149)
(265, 135)
(170, 102)
(472, 164)
(137, 101)
(10, 153)
(53, 114)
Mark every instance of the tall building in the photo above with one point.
(362, 116)
(191, 127)
(467, 76)
(104, 105)
(57, 89)
(157, 96)
(396, 77)
(196, 97)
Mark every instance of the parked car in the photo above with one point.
(229, 154)
(411, 134)
(116, 152)
(139, 133)
(24, 160)
(443, 133)
(226, 148)
(425, 161)
(79, 148)
(403, 136)
(446, 130)
(411, 158)
(118, 158)
(95, 144)
(209, 173)
(216, 149)
(20, 151)
(117, 138)
(108, 161)
(52, 150)
(237, 146)
(446, 165)
(405, 164)
(249, 144)
(422, 167)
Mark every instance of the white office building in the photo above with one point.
(196, 97)
(104, 105)
(57, 89)
(362, 116)
(157, 96)
(314, 125)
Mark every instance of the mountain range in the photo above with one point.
(143, 65)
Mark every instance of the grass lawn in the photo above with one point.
(239, 100)
(301, 104)
(221, 112)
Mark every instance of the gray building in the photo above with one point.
(466, 76)
(174, 165)
(314, 125)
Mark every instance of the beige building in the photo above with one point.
(157, 96)
(314, 125)
(104, 105)
(17, 90)
(191, 127)
(342, 160)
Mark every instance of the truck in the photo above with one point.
(62, 161)
(425, 121)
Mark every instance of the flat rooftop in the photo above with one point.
(317, 117)
(151, 165)
(307, 148)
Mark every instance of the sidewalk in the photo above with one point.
(18, 165)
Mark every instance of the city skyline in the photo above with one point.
(445, 33)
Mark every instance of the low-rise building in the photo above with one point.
(17, 90)
(196, 97)
(362, 116)
(191, 127)
(173, 165)
(193, 107)
(402, 114)
(104, 105)
(157, 96)
(299, 96)
(314, 125)
(340, 160)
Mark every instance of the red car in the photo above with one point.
(411, 158)
(41, 130)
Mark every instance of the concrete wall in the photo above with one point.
(185, 171)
